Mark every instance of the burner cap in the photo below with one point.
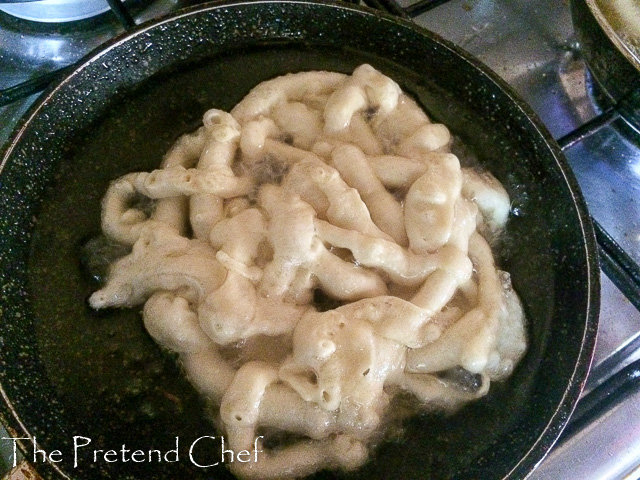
(56, 10)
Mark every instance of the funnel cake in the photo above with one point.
(312, 254)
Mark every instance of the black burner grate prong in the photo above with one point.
(30, 87)
(122, 14)
(423, 6)
(626, 108)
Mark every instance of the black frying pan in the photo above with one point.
(67, 371)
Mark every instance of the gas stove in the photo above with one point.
(531, 44)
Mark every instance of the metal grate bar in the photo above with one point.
(30, 87)
(122, 14)
(604, 398)
(408, 12)
(623, 271)
(626, 108)
(613, 362)
(588, 129)
(391, 6)
(422, 6)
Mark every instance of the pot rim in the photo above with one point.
(614, 34)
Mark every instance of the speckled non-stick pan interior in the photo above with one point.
(67, 371)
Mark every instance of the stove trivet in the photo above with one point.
(626, 108)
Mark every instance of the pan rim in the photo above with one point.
(558, 420)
